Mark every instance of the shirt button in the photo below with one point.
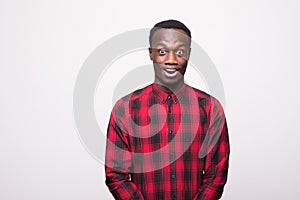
(171, 132)
(173, 196)
(172, 156)
(173, 176)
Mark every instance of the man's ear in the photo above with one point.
(150, 53)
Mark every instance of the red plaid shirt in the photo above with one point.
(162, 147)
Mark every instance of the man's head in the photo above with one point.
(169, 24)
(169, 50)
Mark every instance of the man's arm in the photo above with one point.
(118, 161)
(216, 156)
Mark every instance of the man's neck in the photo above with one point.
(170, 89)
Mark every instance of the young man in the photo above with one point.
(167, 140)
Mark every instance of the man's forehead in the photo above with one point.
(170, 34)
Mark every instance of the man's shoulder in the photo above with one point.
(138, 93)
(204, 98)
(199, 93)
(135, 95)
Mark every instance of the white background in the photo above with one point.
(254, 45)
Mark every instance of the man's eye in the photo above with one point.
(179, 52)
(162, 51)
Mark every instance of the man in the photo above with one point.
(167, 140)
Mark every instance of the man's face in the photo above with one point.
(169, 52)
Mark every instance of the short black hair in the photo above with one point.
(170, 24)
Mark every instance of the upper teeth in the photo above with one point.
(171, 70)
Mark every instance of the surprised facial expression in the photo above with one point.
(169, 51)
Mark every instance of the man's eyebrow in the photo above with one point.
(162, 43)
(182, 45)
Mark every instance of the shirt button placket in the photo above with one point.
(171, 147)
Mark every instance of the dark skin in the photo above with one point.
(169, 51)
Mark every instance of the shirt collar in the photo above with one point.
(163, 95)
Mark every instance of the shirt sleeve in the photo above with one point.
(215, 153)
(118, 160)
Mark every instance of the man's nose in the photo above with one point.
(171, 58)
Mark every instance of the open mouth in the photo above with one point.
(171, 72)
